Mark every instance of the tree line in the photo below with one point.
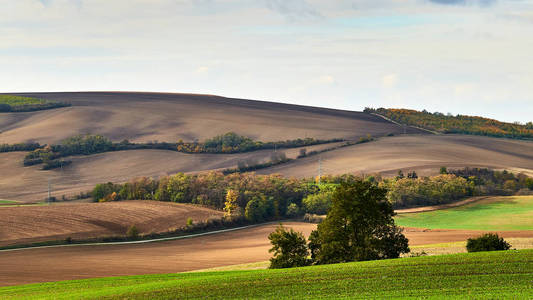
(271, 197)
(222, 144)
(412, 190)
(258, 197)
(456, 124)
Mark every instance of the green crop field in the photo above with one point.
(10, 103)
(7, 202)
(496, 213)
(494, 275)
(18, 101)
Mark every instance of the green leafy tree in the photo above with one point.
(359, 226)
(293, 210)
(255, 210)
(487, 242)
(318, 203)
(289, 248)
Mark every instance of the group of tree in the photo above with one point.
(233, 143)
(359, 226)
(258, 197)
(227, 143)
(462, 124)
(19, 147)
(10, 103)
(270, 197)
(414, 190)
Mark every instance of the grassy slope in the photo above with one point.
(500, 213)
(19, 101)
(480, 275)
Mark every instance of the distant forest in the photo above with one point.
(442, 123)
(9, 103)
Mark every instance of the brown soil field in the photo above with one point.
(28, 224)
(30, 184)
(424, 154)
(142, 117)
(229, 248)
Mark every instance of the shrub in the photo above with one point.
(289, 247)
(190, 222)
(487, 242)
(311, 218)
(293, 210)
(133, 232)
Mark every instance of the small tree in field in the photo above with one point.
(133, 232)
(289, 247)
(487, 242)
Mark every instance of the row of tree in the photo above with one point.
(226, 143)
(412, 190)
(456, 124)
(19, 147)
(259, 197)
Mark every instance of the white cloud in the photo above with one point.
(350, 53)
(389, 81)
(202, 70)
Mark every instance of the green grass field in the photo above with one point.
(7, 202)
(19, 101)
(10, 103)
(496, 213)
(494, 275)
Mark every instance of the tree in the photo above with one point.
(359, 226)
(443, 170)
(231, 207)
(318, 203)
(255, 210)
(400, 175)
(487, 242)
(289, 249)
(293, 210)
(133, 232)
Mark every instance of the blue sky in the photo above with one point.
(457, 56)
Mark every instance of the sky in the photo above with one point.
(471, 57)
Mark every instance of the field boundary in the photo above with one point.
(145, 241)
(420, 209)
(399, 124)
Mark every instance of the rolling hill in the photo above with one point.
(30, 184)
(30, 224)
(424, 154)
(142, 117)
